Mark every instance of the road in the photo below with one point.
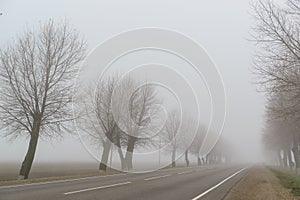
(204, 182)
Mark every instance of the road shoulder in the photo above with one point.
(260, 184)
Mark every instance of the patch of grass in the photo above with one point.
(288, 180)
(56, 178)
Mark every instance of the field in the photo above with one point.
(9, 171)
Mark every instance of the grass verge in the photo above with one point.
(56, 178)
(288, 180)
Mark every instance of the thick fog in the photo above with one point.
(220, 27)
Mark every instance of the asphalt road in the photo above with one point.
(204, 182)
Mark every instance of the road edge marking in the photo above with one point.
(96, 188)
(220, 183)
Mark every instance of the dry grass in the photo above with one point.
(260, 184)
(56, 178)
(43, 172)
(50, 172)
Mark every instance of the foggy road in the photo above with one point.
(204, 182)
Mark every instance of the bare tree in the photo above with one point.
(100, 121)
(178, 135)
(120, 114)
(280, 134)
(221, 152)
(187, 137)
(36, 84)
(277, 142)
(142, 110)
(277, 36)
(277, 63)
(103, 126)
(169, 135)
(197, 143)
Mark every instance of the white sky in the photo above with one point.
(221, 27)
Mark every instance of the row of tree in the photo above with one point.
(37, 73)
(277, 65)
(120, 114)
(108, 122)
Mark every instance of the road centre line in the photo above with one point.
(185, 172)
(156, 177)
(96, 188)
(75, 179)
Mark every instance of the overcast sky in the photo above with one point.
(221, 27)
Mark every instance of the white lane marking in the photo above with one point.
(212, 188)
(156, 177)
(96, 188)
(186, 172)
(60, 181)
(76, 179)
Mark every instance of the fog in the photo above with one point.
(221, 28)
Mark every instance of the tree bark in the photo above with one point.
(29, 157)
(204, 160)
(111, 156)
(279, 158)
(198, 160)
(105, 154)
(173, 158)
(120, 152)
(186, 156)
(297, 160)
(290, 161)
(129, 153)
(28, 160)
(296, 153)
(122, 159)
(285, 159)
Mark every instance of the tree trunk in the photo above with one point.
(208, 159)
(105, 154)
(279, 158)
(297, 160)
(204, 162)
(173, 158)
(296, 153)
(285, 159)
(120, 152)
(129, 153)
(198, 160)
(289, 154)
(128, 161)
(111, 156)
(28, 160)
(186, 156)
(122, 159)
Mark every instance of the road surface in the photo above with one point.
(204, 182)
